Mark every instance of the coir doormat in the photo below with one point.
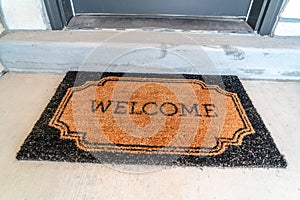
(153, 119)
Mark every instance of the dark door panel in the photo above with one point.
(224, 8)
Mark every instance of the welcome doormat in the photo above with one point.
(151, 119)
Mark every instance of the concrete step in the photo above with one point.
(248, 56)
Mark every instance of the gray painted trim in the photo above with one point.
(66, 11)
(270, 17)
(62, 12)
(54, 14)
(254, 12)
(261, 15)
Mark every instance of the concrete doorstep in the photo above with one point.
(248, 56)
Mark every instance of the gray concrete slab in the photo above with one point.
(248, 56)
(25, 95)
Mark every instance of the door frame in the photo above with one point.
(263, 14)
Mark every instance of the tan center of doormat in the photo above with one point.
(151, 116)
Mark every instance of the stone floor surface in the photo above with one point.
(25, 95)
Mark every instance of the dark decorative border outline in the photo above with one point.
(81, 143)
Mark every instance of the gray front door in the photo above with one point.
(208, 8)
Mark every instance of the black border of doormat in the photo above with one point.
(257, 150)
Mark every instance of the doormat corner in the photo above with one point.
(153, 119)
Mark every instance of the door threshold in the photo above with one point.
(96, 22)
